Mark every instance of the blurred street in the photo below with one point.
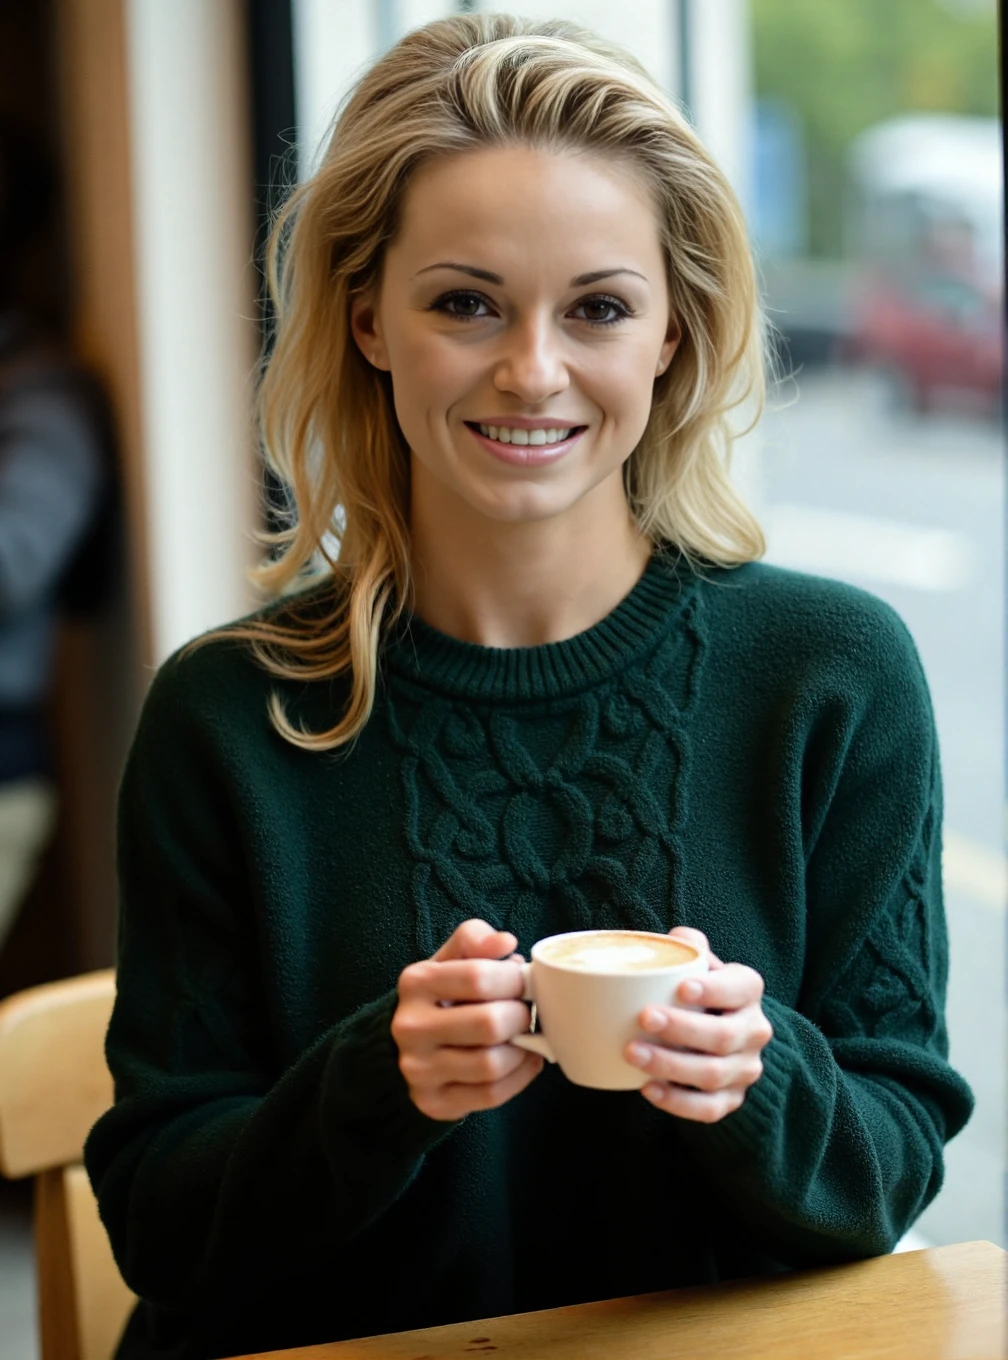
(912, 508)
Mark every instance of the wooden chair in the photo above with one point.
(53, 1086)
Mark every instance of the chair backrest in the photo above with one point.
(54, 1084)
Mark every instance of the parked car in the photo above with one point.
(934, 335)
(927, 295)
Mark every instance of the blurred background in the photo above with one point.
(143, 144)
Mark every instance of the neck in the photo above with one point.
(522, 584)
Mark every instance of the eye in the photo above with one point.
(621, 309)
(441, 304)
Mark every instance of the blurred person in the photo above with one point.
(543, 685)
(53, 489)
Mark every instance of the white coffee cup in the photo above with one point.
(589, 988)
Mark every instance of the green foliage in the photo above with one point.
(843, 65)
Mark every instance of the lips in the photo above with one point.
(526, 455)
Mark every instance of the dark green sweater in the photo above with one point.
(751, 752)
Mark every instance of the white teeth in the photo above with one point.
(504, 435)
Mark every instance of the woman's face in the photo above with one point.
(525, 289)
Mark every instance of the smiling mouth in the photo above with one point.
(526, 438)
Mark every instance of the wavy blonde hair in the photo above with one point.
(326, 416)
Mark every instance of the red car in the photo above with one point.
(935, 334)
(927, 207)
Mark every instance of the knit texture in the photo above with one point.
(751, 752)
(576, 807)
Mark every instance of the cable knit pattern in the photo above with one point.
(888, 991)
(572, 815)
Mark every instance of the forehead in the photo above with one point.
(514, 201)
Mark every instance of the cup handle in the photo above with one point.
(535, 1043)
(532, 1043)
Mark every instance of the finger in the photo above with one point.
(462, 980)
(729, 989)
(700, 1070)
(471, 1066)
(475, 939)
(419, 1025)
(457, 1100)
(699, 1106)
(479, 1026)
(492, 1094)
(735, 1032)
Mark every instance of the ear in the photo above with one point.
(673, 338)
(366, 329)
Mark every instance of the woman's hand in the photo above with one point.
(457, 1010)
(722, 1051)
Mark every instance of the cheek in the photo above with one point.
(622, 388)
(428, 379)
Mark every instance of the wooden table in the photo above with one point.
(946, 1303)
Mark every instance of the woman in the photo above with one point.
(543, 687)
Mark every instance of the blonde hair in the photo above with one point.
(326, 416)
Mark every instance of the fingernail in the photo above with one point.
(639, 1053)
(690, 991)
(653, 1091)
(653, 1021)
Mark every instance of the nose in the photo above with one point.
(532, 365)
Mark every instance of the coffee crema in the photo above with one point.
(617, 951)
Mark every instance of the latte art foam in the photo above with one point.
(618, 952)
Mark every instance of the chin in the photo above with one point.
(525, 505)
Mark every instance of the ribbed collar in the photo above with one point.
(465, 669)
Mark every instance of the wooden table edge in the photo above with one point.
(427, 1343)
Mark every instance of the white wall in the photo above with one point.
(333, 42)
(721, 84)
(414, 13)
(193, 230)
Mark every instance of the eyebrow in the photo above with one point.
(579, 282)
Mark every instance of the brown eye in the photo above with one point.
(606, 304)
(465, 301)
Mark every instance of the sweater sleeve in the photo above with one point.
(837, 1148)
(218, 1165)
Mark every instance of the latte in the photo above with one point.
(617, 951)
